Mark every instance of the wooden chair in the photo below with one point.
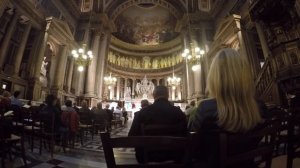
(48, 134)
(283, 117)
(293, 132)
(145, 142)
(117, 120)
(162, 130)
(32, 127)
(7, 142)
(85, 126)
(263, 150)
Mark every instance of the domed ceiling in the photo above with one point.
(146, 24)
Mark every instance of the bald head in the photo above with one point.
(160, 92)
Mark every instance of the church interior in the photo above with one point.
(73, 60)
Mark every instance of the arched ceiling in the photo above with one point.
(146, 24)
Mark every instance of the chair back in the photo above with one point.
(146, 142)
(162, 130)
(251, 146)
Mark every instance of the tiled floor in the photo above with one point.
(90, 155)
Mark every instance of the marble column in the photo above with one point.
(21, 50)
(40, 55)
(262, 39)
(103, 50)
(252, 53)
(179, 92)
(125, 86)
(197, 81)
(34, 91)
(118, 88)
(173, 89)
(60, 68)
(70, 74)
(75, 78)
(6, 40)
(133, 87)
(92, 75)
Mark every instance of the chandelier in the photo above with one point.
(193, 56)
(82, 57)
(174, 81)
(109, 80)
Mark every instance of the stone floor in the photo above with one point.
(90, 155)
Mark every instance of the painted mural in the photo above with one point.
(149, 25)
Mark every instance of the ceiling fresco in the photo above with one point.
(146, 25)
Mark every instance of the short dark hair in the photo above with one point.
(17, 93)
(193, 103)
(68, 103)
(50, 99)
(144, 103)
(161, 92)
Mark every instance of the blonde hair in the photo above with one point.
(230, 82)
(6, 94)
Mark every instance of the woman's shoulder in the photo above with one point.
(208, 102)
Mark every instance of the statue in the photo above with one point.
(155, 63)
(119, 61)
(122, 61)
(173, 60)
(127, 93)
(144, 88)
(146, 62)
(44, 67)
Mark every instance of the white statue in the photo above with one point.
(44, 67)
(144, 88)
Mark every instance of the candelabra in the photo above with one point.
(82, 57)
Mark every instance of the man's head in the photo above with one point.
(68, 103)
(144, 103)
(193, 103)
(99, 105)
(160, 92)
(17, 94)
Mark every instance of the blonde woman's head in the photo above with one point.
(6, 94)
(230, 82)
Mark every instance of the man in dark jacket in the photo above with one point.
(160, 113)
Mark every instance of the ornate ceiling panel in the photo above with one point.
(146, 24)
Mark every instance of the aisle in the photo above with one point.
(90, 155)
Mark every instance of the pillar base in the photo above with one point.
(35, 88)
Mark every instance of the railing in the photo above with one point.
(266, 77)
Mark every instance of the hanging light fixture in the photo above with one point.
(192, 53)
(110, 81)
(82, 57)
(193, 56)
(174, 81)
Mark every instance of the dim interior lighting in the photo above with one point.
(196, 67)
(80, 68)
(4, 86)
(82, 57)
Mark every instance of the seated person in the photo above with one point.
(118, 114)
(161, 112)
(231, 107)
(100, 117)
(51, 116)
(15, 99)
(85, 113)
(70, 118)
